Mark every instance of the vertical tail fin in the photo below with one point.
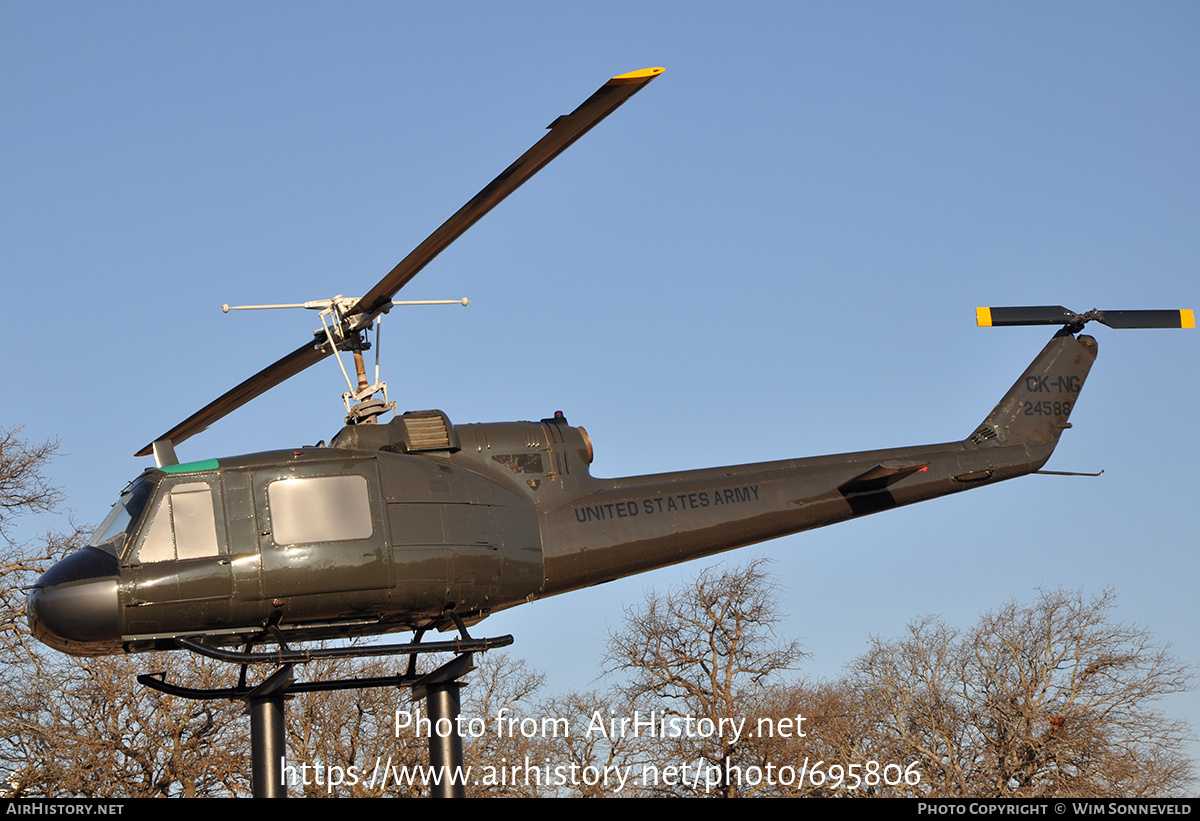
(1036, 408)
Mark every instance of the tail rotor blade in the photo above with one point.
(1034, 315)
(1148, 319)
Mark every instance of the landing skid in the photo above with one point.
(285, 656)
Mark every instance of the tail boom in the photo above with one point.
(639, 523)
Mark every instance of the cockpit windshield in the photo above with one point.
(124, 516)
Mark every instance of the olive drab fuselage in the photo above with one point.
(394, 526)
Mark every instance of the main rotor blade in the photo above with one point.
(563, 131)
(270, 376)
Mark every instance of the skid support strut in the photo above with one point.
(440, 688)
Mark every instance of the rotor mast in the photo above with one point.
(341, 336)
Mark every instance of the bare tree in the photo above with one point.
(84, 727)
(1053, 698)
(23, 485)
(508, 728)
(830, 753)
(702, 658)
(340, 742)
(591, 761)
(24, 490)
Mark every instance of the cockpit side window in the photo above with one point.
(182, 526)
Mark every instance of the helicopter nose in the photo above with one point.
(75, 608)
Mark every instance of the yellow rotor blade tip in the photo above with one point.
(983, 317)
(637, 76)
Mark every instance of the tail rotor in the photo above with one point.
(1073, 322)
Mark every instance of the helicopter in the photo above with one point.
(421, 523)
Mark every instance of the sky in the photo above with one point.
(774, 250)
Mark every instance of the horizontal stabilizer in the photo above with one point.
(880, 476)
